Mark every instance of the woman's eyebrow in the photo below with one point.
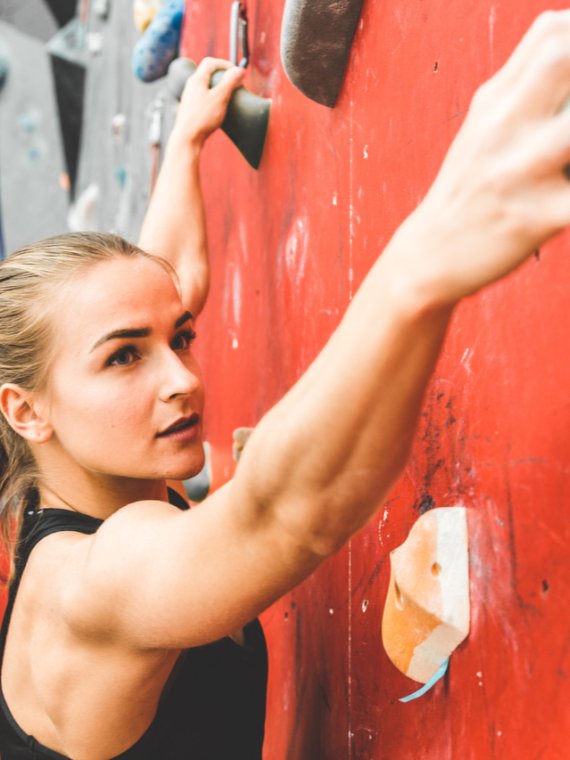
(138, 332)
(128, 332)
(184, 318)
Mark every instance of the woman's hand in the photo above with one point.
(501, 191)
(202, 108)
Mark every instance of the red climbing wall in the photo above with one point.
(290, 243)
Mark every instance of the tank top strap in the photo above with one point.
(37, 524)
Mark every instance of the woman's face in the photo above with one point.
(125, 395)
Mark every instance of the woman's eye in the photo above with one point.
(123, 357)
(183, 340)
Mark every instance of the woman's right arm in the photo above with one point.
(320, 462)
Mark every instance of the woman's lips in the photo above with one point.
(184, 428)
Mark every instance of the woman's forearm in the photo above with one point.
(326, 455)
(175, 225)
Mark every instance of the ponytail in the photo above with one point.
(18, 488)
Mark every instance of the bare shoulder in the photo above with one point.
(107, 562)
(157, 577)
(133, 572)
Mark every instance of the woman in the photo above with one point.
(108, 646)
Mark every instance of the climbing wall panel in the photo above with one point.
(290, 243)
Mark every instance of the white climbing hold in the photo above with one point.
(426, 614)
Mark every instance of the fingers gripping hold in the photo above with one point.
(208, 66)
(543, 55)
(233, 77)
(203, 106)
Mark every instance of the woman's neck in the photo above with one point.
(98, 497)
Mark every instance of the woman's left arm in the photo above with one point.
(174, 226)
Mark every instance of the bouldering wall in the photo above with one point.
(290, 244)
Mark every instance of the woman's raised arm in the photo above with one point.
(174, 226)
(318, 464)
(330, 450)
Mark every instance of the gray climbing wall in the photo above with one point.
(116, 163)
(116, 156)
(33, 203)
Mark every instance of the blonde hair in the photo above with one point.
(29, 279)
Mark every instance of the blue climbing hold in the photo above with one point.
(159, 44)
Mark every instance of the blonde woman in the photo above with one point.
(117, 639)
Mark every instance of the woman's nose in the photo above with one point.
(180, 377)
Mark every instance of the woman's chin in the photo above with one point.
(192, 470)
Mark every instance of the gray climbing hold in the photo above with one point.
(316, 37)
(198, 487)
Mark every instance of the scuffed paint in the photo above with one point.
(297, 250)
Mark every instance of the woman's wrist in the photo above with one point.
(185, 143)
(418, 280)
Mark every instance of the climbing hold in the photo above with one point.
(426, 614)
(240, 438)
(247, 116)
(101, 8)
(94, 43)
(156, 118)
(144, 11)
(64, 182)
(316, 37)
(83, 213)
(198, 487)
(121, 175)
(4, 69)
(158, 46)
(118, 124)
(29, 121)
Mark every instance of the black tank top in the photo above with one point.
(213, 705)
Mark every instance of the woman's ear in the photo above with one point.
(19, 409)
